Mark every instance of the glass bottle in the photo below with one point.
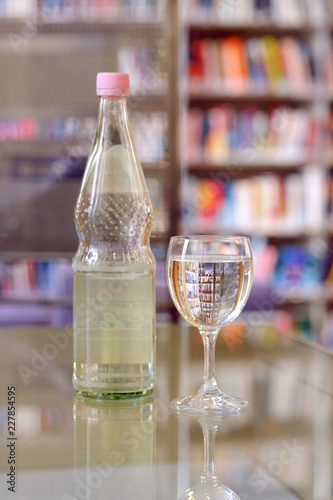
(114, 268)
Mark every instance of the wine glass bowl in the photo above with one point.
(209, 279)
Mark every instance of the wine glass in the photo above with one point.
(209, 486)
(209, 280)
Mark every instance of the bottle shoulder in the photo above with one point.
(104, 258)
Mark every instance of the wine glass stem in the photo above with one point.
(209, 382)
(209, 452)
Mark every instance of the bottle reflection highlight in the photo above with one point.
(114, 449)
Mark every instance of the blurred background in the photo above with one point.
(231, 112)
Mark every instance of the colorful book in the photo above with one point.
(257, 69)
(216, 144)
(234, 64)
(296, 65)
(195, 66)
(210, 60)
(195, 133)
(273, 62)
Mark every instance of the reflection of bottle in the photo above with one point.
(114, 449)
(114, 293)
(209, 486)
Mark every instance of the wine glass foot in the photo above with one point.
(215, 402)
(207, 489)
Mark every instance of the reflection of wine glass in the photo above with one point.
(208, 487)
(209, 279)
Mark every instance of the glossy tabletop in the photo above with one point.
(68, 448)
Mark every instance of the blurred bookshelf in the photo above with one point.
(47, 121)
(256, 149)
(231, 108)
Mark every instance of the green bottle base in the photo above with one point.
(113, 395)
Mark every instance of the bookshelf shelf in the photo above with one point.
(271, 233)
(237, 166)
(197, 96)
(18, 255)
(62, 26)
(301, 296)
(67, 301)
(100, 23)
(158, 237)
(320, 294)
(52, 151)
(213, 28)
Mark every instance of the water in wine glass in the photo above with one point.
(212, 291)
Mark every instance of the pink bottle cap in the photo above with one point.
(112, 84)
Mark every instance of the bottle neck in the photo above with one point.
(112, 121)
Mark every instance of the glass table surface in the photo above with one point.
(55, 445)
